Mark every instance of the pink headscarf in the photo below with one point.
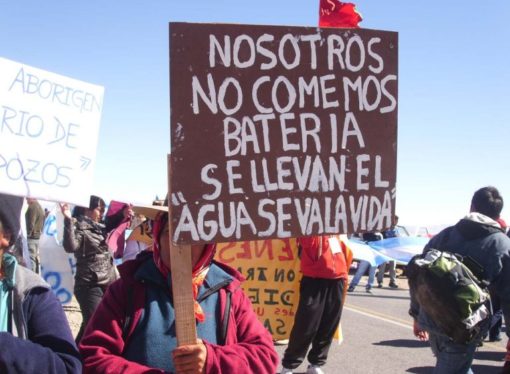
(200, 269)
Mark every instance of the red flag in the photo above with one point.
(333, 13)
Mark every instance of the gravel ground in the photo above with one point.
(73, 313)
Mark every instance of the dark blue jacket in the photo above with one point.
(40, 340)
(484, 241)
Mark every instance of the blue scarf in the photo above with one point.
(9, 264)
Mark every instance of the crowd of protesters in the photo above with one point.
(128, 313)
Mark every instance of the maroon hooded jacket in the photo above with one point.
(248, 347)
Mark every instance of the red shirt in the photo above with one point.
(318, 259)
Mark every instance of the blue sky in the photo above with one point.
(454, 86)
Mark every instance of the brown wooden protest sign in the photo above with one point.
(281, 131)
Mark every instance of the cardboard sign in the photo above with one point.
(271, 269)
(49, 127)
(280, 132)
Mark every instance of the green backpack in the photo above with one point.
(447, 290)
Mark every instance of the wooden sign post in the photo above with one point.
(182, 291)
(281, 132)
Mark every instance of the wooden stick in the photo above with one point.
(182, 290)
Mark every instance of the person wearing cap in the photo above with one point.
(133, 329)
(140, 238)
(34, 333)
(85, 236)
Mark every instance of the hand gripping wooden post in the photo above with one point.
(182, 289)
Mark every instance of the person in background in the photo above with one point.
(390, 266)
(497, 312)
(34, 333)
(371, 236)
(506, 367)
(85, 237)
(325, 268)
(133, 329)
(139, 240)
(481, 238)
(117, 222)
(363, 266)
(34, 218)
(392, 232)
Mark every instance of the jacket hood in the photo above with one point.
(10, 212)
(476, 225)
(237, 277)
(128, 269)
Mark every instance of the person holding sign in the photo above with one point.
(34, 333)
(133, 329)
(85, 236)
(324, 268)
